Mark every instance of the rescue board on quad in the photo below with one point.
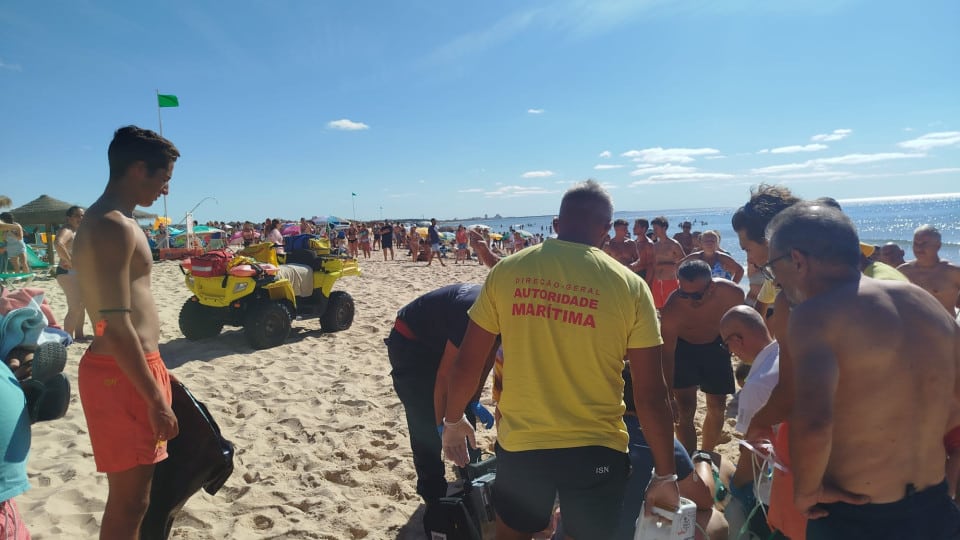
(264, 293)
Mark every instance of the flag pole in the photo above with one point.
(354, 195)
(166, 218)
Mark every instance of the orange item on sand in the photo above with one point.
(117, 416)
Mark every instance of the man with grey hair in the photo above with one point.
(867, 443)
(933, 274)
(568, 314)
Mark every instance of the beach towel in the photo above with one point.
(10, 300)
(21, 327)
(300, 276)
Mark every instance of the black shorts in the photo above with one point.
(590, 481)
(386, 242)
(705, 365)
(929, 515)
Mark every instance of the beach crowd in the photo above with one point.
(840, 364)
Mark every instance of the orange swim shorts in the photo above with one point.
(116, 414)
(661, 289)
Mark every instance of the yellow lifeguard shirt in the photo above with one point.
(567, 313)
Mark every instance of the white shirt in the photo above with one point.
(764, 375)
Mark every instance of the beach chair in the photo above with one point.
(12, 281)
(35, 261)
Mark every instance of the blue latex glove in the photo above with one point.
(483, 415)
(440, 430)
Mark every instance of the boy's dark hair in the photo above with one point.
(661, 221)
(6, 217)
(620, 223)
(765, 202)
(73, 210)
(694, 270)
(641, 222)
(131, 144)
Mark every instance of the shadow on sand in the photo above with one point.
(413, 530)
(178, 352)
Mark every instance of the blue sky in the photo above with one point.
(458, 109)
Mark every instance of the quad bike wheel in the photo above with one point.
(339, 313)
(267, 324)
(198, 321)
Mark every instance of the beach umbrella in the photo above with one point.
(479, 227)
(446, 235)
(239, 234)
(523, 233)
(49, 212)
(423, 224)
(495, 236)
(422, 231)
(290, 229)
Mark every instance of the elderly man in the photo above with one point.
(872, 424)
(933, 274)
(568, 314)
(694, 356)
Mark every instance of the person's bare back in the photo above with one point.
(896, 355)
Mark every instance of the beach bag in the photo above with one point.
(263, 252)
(211, 263)
(320, 245)
(297, 241)
(199, 457)
(448, 519)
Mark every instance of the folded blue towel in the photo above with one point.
(21, 327)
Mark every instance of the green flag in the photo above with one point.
(167, 100)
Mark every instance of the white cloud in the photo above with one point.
(798, 148)
(816, 174)
(932, 140)
(534, 111)
(849, 159)
(668, 155)
(347, 125)
(663, 169)
(471, 190)
(11, 67)
(605, 154)
(537, 174)
(721, 156)
(908, 129)
(764, 151)
(682, 177)
(945, 170)
(835, 135)
(606, 166)
(518, 191)
(608, 186)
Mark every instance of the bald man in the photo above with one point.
(933, 274)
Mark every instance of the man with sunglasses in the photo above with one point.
(694, 356)
(871, 426)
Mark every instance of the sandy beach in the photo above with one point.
(321, 441)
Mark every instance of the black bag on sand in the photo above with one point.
(199, 457)
(448, 519)
(467, 514)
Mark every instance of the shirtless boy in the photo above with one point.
(934, 275)
(124, 385)
(693, 353)
(645, 257)
(621, 247)
(667, 254)
(872, 424)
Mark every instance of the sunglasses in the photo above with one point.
(725, 344)
(767, 269)
(695, 296)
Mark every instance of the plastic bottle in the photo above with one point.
(666, 525)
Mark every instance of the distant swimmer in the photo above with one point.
(621, 247)
(667, 255)
(867, 442)
(933, 274)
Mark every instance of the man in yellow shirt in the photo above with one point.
(568, 314)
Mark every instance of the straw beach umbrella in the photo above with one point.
(49, 212)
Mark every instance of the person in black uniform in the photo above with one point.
(422, 347)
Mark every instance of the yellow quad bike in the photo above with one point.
(255, 294)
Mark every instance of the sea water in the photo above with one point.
(877, 221)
